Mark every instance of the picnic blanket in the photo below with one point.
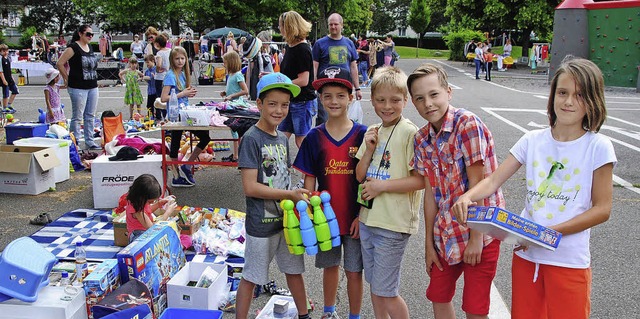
(93, 227)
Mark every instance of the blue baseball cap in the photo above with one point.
(277, 80)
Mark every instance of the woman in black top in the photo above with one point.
(297, 64)
(81, 80)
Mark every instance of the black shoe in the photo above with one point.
(229, 159)
(40, 220)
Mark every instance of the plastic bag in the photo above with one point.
(355, 112)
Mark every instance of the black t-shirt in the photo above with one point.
(6, 69)
(83, 67)
(298, 59)
(363, 56)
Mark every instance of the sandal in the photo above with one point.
(40, 220)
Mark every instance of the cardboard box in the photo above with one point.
(267, 311)
(511, 228)
(20, 130)
(27, 169)
(53, 303)
(111, 179)
(182, 296)
(61, 147)
(153, 258)
(120, 234)
(99, 283)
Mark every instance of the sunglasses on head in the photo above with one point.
(89, 34)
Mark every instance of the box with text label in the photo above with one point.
(511, 228)
(111, 179)
(27, 169)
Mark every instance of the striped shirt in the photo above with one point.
(444, 156)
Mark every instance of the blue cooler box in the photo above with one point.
(20, 130)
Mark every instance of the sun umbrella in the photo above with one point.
(223, 32)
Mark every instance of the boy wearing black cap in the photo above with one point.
(264, 163)
(327, 156)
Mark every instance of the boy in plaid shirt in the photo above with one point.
(454, 151)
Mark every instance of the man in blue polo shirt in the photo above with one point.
(335, 50)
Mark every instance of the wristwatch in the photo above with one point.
(358, 89)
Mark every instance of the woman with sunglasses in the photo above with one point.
(81, 79)
(151, 35)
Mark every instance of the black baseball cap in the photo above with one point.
(333, 75)
(126, 153)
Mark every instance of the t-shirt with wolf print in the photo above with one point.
(268, 154)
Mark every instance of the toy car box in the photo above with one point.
(153, 258)
(100, 282)
(511, 228)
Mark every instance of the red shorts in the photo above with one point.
(558, 292)
(477, 281)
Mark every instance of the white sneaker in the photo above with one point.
(330, 315)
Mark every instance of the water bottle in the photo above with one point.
(64, 281)
(172, 106)
(81, 263)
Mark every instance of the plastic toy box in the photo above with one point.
(153, 258)
(511, 228)
(100, 282)
(20, 130)
(177, 313)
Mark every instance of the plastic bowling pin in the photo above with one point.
(291, 229)
(309, 239)
(331, 218)
(320, 224)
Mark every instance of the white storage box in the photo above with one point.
(27, 169)
(181, 296)
(195, 116)
(267, 312)
(61, 147)
(111, 179)
(53, 303)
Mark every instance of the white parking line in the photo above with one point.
(498, 308)
(618, 180)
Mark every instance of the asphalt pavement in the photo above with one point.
(513, 103)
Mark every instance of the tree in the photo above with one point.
(389, 15)
(419, 19)
(59, 15)
(490, 15)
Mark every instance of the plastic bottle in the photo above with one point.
(320, 224)
(291, 229)
(81, 262)
(172, 107)
(309, 239)
(334, 228)
(65, 280)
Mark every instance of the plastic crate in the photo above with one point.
(20, 130)
(25, 266)
(177, 313)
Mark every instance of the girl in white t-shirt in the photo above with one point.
(569, 170)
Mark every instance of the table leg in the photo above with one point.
(164, 163)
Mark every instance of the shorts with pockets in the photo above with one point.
(260, 251)
(352, 255)
(382, 252)
(299, 118)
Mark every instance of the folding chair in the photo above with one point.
(111, 127)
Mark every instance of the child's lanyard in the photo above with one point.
(385, 147)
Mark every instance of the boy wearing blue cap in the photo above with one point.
(265, 169)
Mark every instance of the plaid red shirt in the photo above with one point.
(462, 140)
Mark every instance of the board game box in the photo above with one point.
(511, 228)
(104, 279)
(153, 258)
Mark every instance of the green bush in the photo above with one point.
(25, 39)
(456, 40)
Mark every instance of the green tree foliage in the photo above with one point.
(456, 41)
(389, 15)
(25, 39)
(59, 16)
(490, 15)
(419, 18)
